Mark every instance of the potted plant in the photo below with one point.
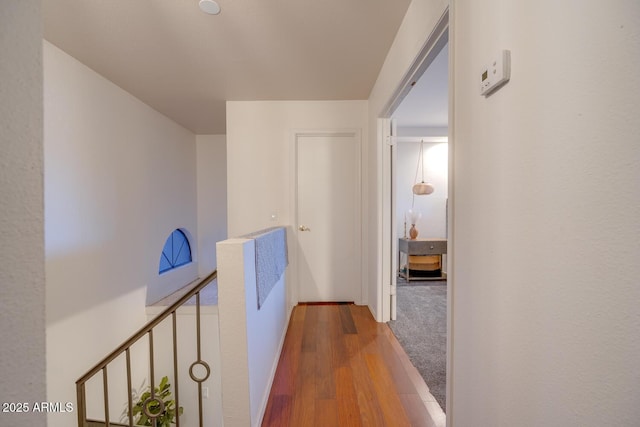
(168, 414)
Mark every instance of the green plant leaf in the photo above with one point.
(161, 392)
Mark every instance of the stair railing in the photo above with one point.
(125, 347)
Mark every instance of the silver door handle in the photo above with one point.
(303, 228)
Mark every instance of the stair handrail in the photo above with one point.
(124, 347)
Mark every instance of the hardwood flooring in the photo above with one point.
(339, 367)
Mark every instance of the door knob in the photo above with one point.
(303, 228)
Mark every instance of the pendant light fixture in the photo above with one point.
(421, 188)
(209, 6)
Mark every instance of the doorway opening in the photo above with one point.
(417, 121)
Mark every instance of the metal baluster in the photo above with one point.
(81, 397)
(175, 367)
(200, 362)
(154, 422)
(130, 398)
(106, 396)
(199, 355)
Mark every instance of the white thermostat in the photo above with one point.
(496, 73)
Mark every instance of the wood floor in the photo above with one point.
(339, 367)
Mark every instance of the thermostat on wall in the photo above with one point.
(496, 73)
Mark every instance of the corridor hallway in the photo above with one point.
(339, 367)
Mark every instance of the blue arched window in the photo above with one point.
(176, 252)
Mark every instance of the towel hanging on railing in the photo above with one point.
(271, 259)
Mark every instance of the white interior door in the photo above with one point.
(328, 216)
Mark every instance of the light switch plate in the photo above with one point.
(496, 73)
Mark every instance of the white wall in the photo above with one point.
(259, 143)
(432, 207)
(119, 177)
(212, 198)
(260, 163)
(22, 276)
(250, 338)
(546, 231)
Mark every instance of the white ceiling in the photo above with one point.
(427, 104)
(186, 64)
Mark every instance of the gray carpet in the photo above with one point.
(421, 328)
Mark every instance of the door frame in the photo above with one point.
(295, 135)
(431, 47)
(443, 28)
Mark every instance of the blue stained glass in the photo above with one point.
(164, 264)
(176, 252)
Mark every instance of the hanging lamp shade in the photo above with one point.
(421, 188)
(209, 6)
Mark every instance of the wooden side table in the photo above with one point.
(420, 247)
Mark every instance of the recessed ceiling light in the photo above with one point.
(210, 7)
